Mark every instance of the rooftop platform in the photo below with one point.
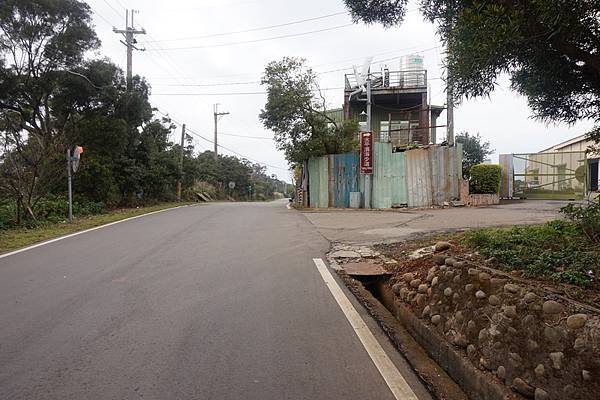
(391, 82)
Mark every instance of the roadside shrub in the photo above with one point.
(51, 209)
(586, 216)
(83, 208)
(557, 250)
(485, 178)
(7, 215)
(47, 210)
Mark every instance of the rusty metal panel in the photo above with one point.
(456, 155)
(381, 196)
(418, 176)
(437, 163)
(346, 178)
(323, 182)
(399, 186)
(313, 182)
(444, 173)
(506, 187)
(330, 181)
(389, 177)
(318, 182)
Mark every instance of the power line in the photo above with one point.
(104, 18)
(209, 84)
(227, 93)
(318, 73)
(121, 4)
(112, 8)
(237, 153)
(258, 40)
(252, 29)
(246, 136)
(219, 5)
(169, 60)
(193, 132)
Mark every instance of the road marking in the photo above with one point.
(394, 379)
(33, 246)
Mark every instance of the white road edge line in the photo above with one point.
(394, 379)
(33, 246)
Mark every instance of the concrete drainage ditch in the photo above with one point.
(374, 292)
(493, 334)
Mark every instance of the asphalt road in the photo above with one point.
(208, 302)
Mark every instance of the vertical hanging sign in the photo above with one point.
(366, 152)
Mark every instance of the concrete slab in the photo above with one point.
(368, 227)
(364, 269)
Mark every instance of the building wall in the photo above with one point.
(413, 178)
(581, 145)
(559, 172)
(382, 114)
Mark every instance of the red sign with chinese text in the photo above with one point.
(366, 152)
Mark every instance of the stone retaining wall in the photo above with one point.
(537, 344)
(474, 200)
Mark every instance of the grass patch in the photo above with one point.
(558, 250)
(12, 239)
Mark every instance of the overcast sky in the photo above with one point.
(193, 42)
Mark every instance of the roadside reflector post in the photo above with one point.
(72, 165)
(70, 195)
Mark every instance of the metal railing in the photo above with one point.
(391, 79)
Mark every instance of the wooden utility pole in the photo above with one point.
(180, 163)
(449, 112)
(129, 33)
(216, 115)
(449, 101)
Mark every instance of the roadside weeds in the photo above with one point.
(13, 239)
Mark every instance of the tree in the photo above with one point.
(40, 42)
(296, 112)
(550, 48)
(475, 151)
(51, 98)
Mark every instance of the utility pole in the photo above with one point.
(129, 33)
(216, 115)
(180, 163)
(449, 101)
(449, 112)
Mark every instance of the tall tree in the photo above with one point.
(475, 150)
(550, 48)
(41, 41)
(297, 113)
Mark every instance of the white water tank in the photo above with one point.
(412, 68)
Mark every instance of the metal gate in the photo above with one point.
(553, 176)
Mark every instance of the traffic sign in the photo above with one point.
(366, 152)
(75, 157)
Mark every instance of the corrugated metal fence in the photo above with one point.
(413, 178)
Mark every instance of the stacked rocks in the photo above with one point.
(538, 345)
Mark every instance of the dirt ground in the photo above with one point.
(529, 344)
(400, 251)
(369, 227)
